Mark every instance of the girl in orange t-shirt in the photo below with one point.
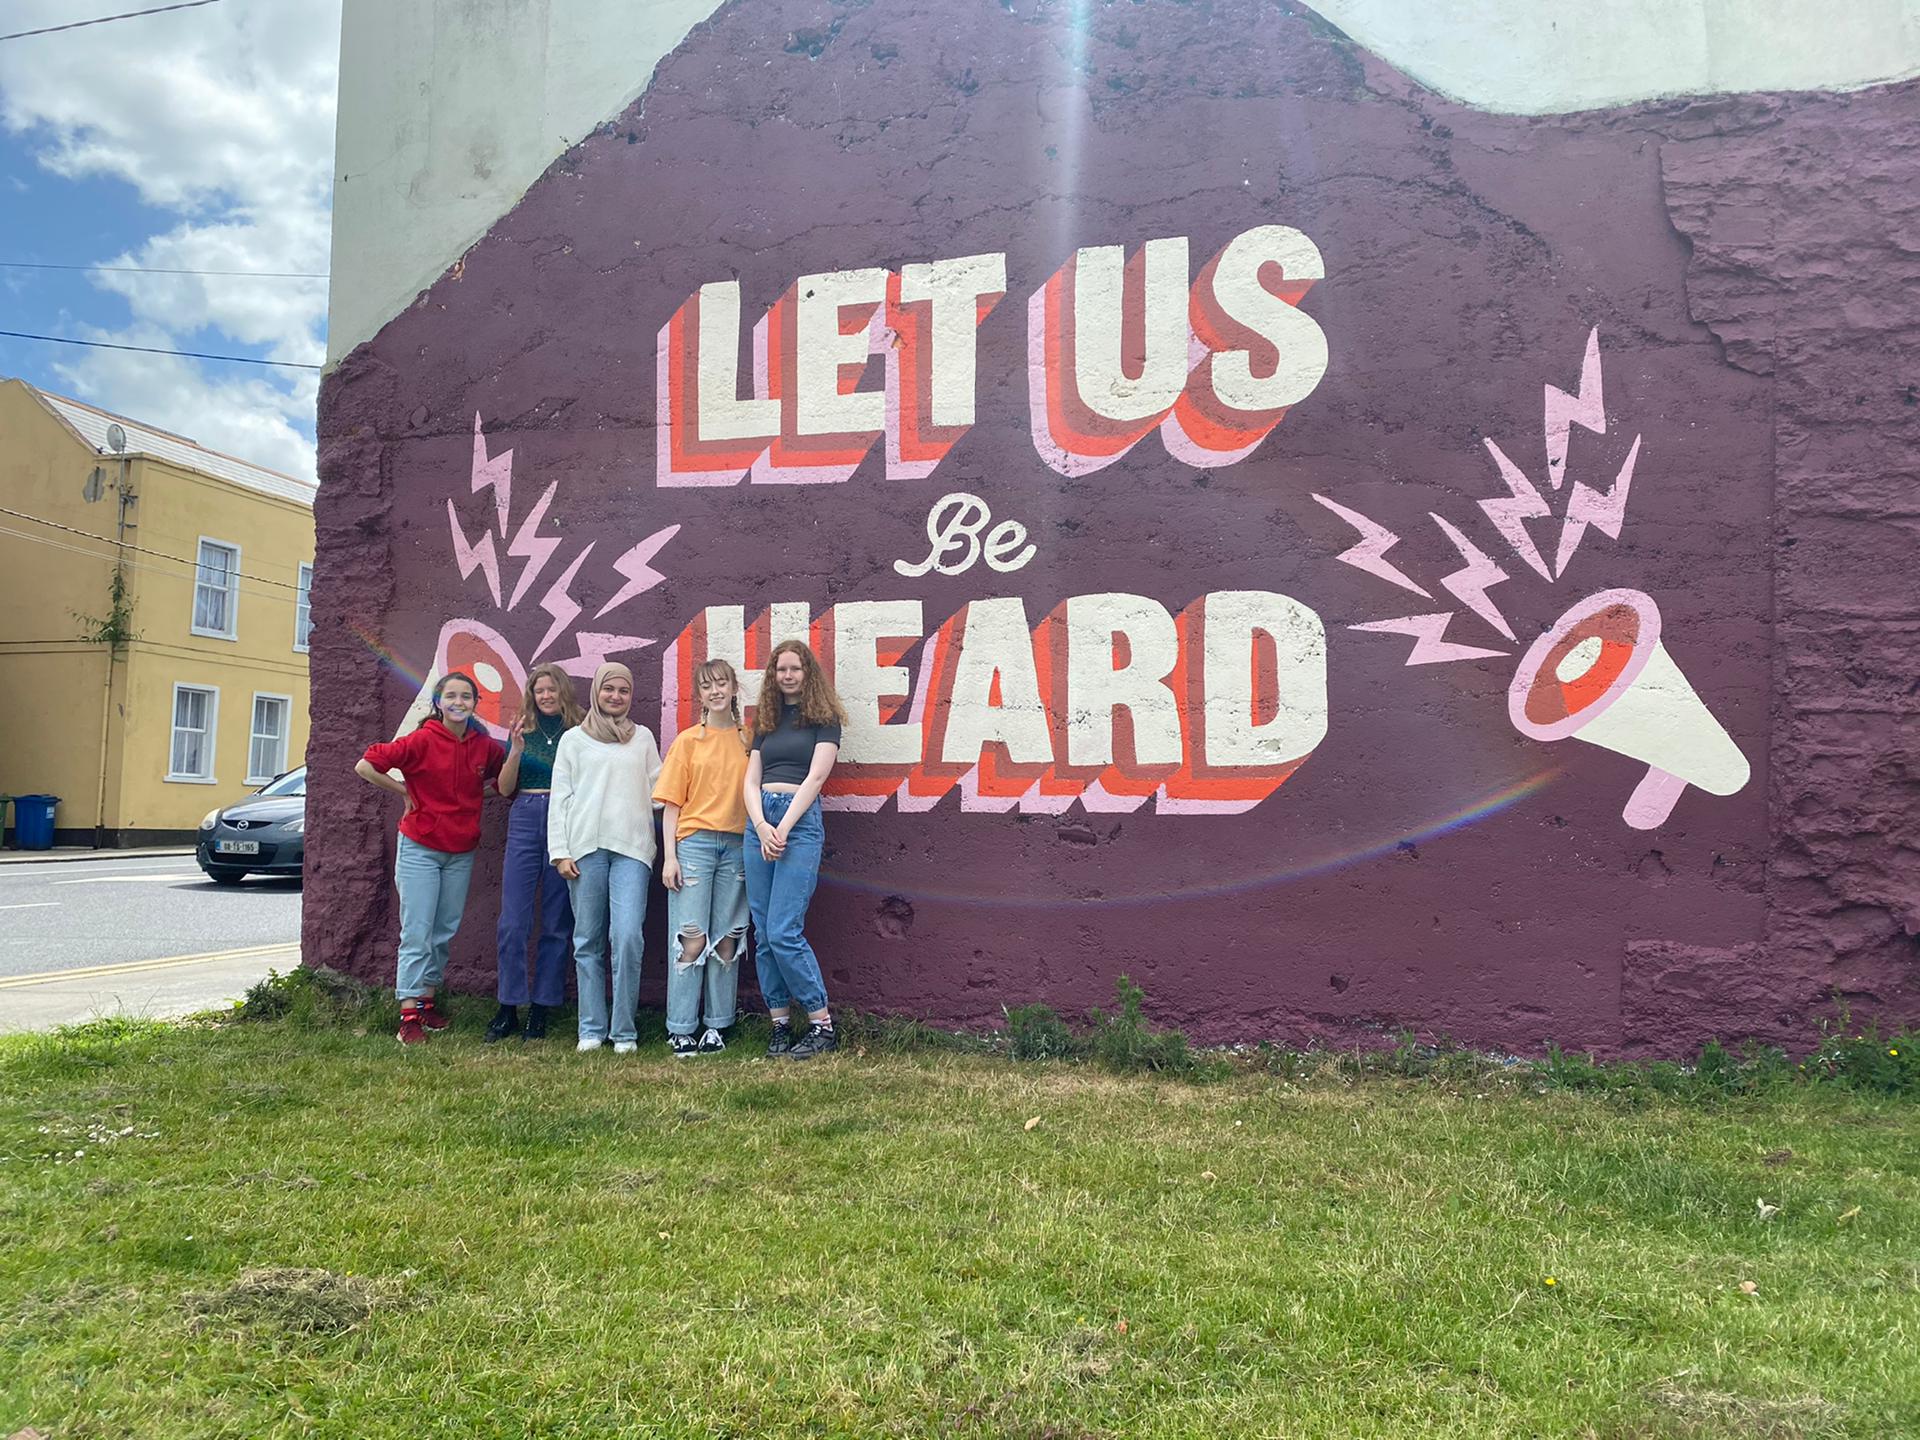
(702, 865)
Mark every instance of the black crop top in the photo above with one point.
(787, 754)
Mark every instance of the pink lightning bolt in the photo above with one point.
(594, 648)
(497, 472)
(480, 555)
(636, 566)
(1583, 408)
(1370, 554)
(530, 545)
(1429, 648)
(1469, 584)
(559, 604)
(1587, 506)
(1522, 503)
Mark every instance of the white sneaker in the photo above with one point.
(585, 1045)
(625, 1047)
(712, 1042)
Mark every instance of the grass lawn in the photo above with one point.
(276, 1230)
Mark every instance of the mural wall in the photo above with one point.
(1223, 479)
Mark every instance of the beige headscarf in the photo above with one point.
(599, 725)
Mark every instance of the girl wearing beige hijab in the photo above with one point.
(600, 839)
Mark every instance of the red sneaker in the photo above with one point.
(431, 1016)
(412, 1031)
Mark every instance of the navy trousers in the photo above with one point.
(532, 889)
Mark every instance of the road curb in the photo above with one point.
(43, 857)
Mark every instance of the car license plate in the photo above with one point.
(237, 847)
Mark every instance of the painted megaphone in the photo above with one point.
(479, 650)
(1601, 674)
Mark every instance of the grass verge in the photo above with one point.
(297, 1228)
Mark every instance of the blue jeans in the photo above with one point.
(609, 905)
(777, 893)
(433, 892)
(710, 904)
(524, 875)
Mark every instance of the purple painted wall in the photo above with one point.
(1748, 265)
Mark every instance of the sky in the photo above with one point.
(201, 139)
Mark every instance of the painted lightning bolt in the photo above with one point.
(1370, 554)
(530, 545)
(1583, 408)
(638, 570)
(559, 604)
(497, 472)
(1509, 514)
(1587, 506)
(1429, 646)
(594, 648)
(1469, 584)
(471, 557)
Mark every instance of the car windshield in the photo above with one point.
(294, 782)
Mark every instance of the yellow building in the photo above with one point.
(153, 621)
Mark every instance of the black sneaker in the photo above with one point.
(818, 1040)
(684, 1047)
(505, 1022)
(536, 1023)
(712, 1042)
(781, 1041)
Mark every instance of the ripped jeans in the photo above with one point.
(711, 905)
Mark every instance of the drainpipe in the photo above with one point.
(124, 494)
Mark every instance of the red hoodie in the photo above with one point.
(446, 778)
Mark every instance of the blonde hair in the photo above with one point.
(570, 712)
(819, 703)
(715, 668)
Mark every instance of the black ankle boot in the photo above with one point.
(536, 1023)
(505, 1021)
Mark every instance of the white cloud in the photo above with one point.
(239, 410)
(223, 116)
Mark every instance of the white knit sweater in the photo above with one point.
(603, 796)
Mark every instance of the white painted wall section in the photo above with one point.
(1549, 57)
(450, 109)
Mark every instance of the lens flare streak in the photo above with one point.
(1474, 810)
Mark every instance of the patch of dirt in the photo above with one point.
(1719, 1412)
(301, 1301)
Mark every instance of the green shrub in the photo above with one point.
(1125, 1043)
(1864, 1060)
(1036, 1032)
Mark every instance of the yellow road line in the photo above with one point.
(131, 966)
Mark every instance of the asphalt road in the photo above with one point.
(82, 914)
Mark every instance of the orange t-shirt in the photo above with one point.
(705, 774)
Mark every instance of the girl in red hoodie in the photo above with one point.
(447, 763)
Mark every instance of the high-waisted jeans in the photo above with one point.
(777, 893)
(711, 902)
(530, 890)
(433, 892)
(609, 907)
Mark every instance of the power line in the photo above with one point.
(141, 549)
(145, 568)
(161, 270)
(155, 350)
(105, 19)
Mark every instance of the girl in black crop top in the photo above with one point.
(796, 738)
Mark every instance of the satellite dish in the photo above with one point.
(95, 487)
(116, 439)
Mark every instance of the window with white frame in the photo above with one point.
(267, 744)
(196, 715)
(303, 608)
(216, 591)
